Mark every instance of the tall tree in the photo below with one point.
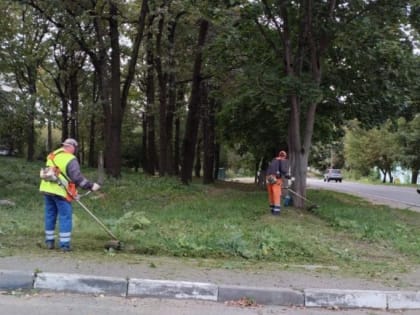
(377, 147)
(209, 135)
(162, 77)
(192, 123)
(300, 44)
(172, 148)
(25, 42)
(149, 143)
(66, 76)
(301, 35)
(12, 125)
(409, 145)
(104, 19)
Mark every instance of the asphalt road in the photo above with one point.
(391, 195)
(72, 304)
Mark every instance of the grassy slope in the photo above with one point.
(226, 221)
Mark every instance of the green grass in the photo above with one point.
(227, 222)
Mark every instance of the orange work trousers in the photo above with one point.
(274, 195)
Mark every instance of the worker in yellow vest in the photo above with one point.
(59, 189)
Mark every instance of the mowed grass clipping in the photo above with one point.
(225, 221)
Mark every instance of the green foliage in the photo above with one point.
(227, 221)
(372, 65)
(409, 143)
(355, 142)
(12, 123)
(253, 116)
(131, 147)
(324, 156)
(368, 67)
(365, 149)
(383, 147)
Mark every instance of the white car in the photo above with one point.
(333, 174)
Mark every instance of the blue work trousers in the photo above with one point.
(56, 206)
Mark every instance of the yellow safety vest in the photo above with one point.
(59, 158)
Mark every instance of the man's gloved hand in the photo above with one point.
(288, 176)
(95, 187)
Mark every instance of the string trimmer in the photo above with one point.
(312, 205)
(112, 244)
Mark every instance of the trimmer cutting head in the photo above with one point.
(113, 245)
(312, 205)
(312, 208)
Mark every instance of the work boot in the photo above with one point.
(49, 244)
(65, 249)
(276, 210)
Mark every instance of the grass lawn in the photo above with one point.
(227, 222)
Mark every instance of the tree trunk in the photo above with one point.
(143, 154)
(150, 104)
(179, 103)
(99, 61)
(92, 126)
(49, 133)
(384, 175)
(92, 134)
(31, 132)
(64, 118)
(62, 86)
(297, 155)
(216, 160)
(414, 176)
(74, 105)
(299, 147)
(209, 121)
(114, 141)
(172, 149)
(197, 168)
(31, 113)
(162, 79)
(192, 124)
(170, 113)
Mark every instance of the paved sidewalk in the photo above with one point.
(189, 279)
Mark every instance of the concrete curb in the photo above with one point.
(403, 300)
(345, 298)
(81, 284)
(12, 280)
(77, 283)
(172, 289)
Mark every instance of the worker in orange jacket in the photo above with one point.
(276, 171)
